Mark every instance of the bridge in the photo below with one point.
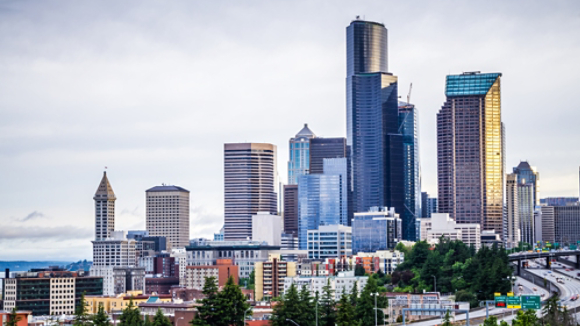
(519, 256)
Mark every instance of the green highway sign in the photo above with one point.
(573, 247)
(514, 302)
(531, 302)
(500, 301)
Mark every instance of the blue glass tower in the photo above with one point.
(322, 198)
(408, 125)
(299, 162)
(373, 136)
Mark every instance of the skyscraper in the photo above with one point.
(470, 150)
(299, 162)
(291, 209)
(104, 209)
(528, 180)
(376, 146)
(513, 231)
(321, 148)
(528, 175)
(409, 128)
(428, 205)
(249, 186)
(167, 214)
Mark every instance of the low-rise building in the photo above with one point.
(344, 281)
(384, 260)
(442, 225)
(330, 241)
(269, 277)
(160, 285)
(23, 315)
(51, 292)
(119, 302)
(195, 275)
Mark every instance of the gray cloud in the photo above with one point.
(43, 234)
(32, 216)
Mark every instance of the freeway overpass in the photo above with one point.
(519, 256)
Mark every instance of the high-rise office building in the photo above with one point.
(528, 175)
(322, 198)
(376, 145)
(291, 209)
(428, 205)
(409, 128)
(299, 162)
(167, 214)
(567, 224)
(528, 198)
(104, 209)
(321, 148)
(513, 233)
(470, 150)
(378, 229)
(249, 186)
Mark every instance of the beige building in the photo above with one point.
(440, 224)
(167, 214)
(119, 302)
(104, 209)
(270, 275)
(195, 275)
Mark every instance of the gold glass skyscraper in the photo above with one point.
(470, 150)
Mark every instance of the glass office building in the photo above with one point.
(322, 198)
(330, 241)
(299, 162)
(373, 137)
(470, 151)
(528, 175)
(378, 229)
(409, 127)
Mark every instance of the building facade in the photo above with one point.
(321, 148)
(291, 209)
(330, 241)
(428, 205)
(442, 225)
(373, 136)
(267, 228)
(544, 217)
(299, 162)
(567, 224)
(270, 275)
(343, 282)
(513, 233)
(378, 229)
(104, 209)
(470, 150)
(195, 276)
(167, 214)
(409, 128)
(250, 180)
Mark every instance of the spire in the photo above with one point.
(305, 132)
(105, 190)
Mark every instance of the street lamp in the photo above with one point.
(293, 322)
(245, 314)
(375, 294)
(435, 282)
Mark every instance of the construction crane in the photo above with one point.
(409, 95)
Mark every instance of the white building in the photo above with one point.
(330, 241)
(180, 255)
(343, 282)
(513, 231)
(167, 214)
(267, 228)
(440, 224)
(388, 260)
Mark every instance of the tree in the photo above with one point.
(81, 315)
(208, 313)
(13, 318)
(492, 321)
(308, 306)
(359, 270)
(101, 318)
(327, 309)
(527, 318)
(345, 312)
(147, 321)
(354, 294)
(160, 320)
(365, 306)
(287, 308)
(447, 319)
(466, 296)
(131, 316)
(232, 303)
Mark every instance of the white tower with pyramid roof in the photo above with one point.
(104, 210)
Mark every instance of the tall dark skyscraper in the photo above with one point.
(321, 148)
(409, 128)
(470, 150)
(373, 136)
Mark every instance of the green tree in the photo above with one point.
(527, 318)
(287, 308)
(466, 296)
(208, 313)
(447, 319)
(327, 306)
(365, 306)
(13, 318)
(131, 316)
(160, 320)
(359, 270)
(308, 307)
(345, 312)
(354, 294)
(101, 318)
(147, 321)
(81, 314)
(232, 304)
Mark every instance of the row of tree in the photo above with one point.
(303, 309)
(452, 266)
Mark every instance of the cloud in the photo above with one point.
(37, 234)
(32, 216)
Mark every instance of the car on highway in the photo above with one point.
(574, 297)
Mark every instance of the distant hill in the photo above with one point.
(23, 266)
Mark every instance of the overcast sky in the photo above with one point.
(152, 90)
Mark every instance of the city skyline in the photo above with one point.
(146, 102)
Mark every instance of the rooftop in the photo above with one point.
(470, 83)
(305, 132)
(166, 188)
